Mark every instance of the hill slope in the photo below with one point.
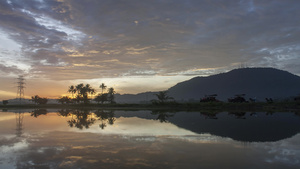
(254, 82)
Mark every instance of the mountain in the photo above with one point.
(259, 83)
(136, 98)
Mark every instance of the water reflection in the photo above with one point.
(79, 118)
(105, 116)
(209, 115)
(85, 118)
(241, 126)
(19, 124)
(37, 112)
(148, 139)
(254, 126)
(162, 115)
(239, 115)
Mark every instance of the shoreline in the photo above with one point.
(213, 106)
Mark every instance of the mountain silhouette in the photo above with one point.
(257, 83)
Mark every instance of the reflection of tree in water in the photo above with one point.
(64, 113)
(79, 118)
(238, 115)
(162, 116)
(297, 113)
(269, 113)
(38, 112)
(209, 115)
(105, 117)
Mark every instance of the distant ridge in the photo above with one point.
(259, 83)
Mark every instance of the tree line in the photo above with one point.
(82, 93)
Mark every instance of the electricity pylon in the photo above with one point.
(21, 87)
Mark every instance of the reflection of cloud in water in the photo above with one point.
(73, 149)
(285, 152)
(206, 138)
(138, 126)
(134, 143)
(9, 150)
(7, 116)
(197, 138)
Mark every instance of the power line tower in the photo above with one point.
(21, 86)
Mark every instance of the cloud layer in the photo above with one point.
(70, 39)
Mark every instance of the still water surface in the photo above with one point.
(87, 139)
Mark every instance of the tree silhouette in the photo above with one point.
(163, 97)
(38, 112)
(83, 119)
(72, 90)
(35, 99)
(238, 115)
(210, 115)
(162, 116)
(64, 99)
(103, 87)
(39, 100)
(111, 118)
(5, 102)
(64, 113)
(104, 117)
(209, 98)
(77, 99)
(101, 98)
(111, 95)
(83, 91)
(239, 98)
(89, 89)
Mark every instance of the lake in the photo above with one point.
(87, 139)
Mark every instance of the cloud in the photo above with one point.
(196, 34)
(69, 40)
(6, 70)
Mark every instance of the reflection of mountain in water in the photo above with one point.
(258, 127)
(240, 126)
(247, 127)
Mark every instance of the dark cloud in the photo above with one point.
(6, 70)
(93, 39)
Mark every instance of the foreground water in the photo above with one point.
(87, 139)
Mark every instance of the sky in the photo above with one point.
(140, 45)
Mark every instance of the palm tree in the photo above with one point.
(82, 92)
(102, 86)
(89, 89)
(111, 92)
(79, 88)
(72, 90)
